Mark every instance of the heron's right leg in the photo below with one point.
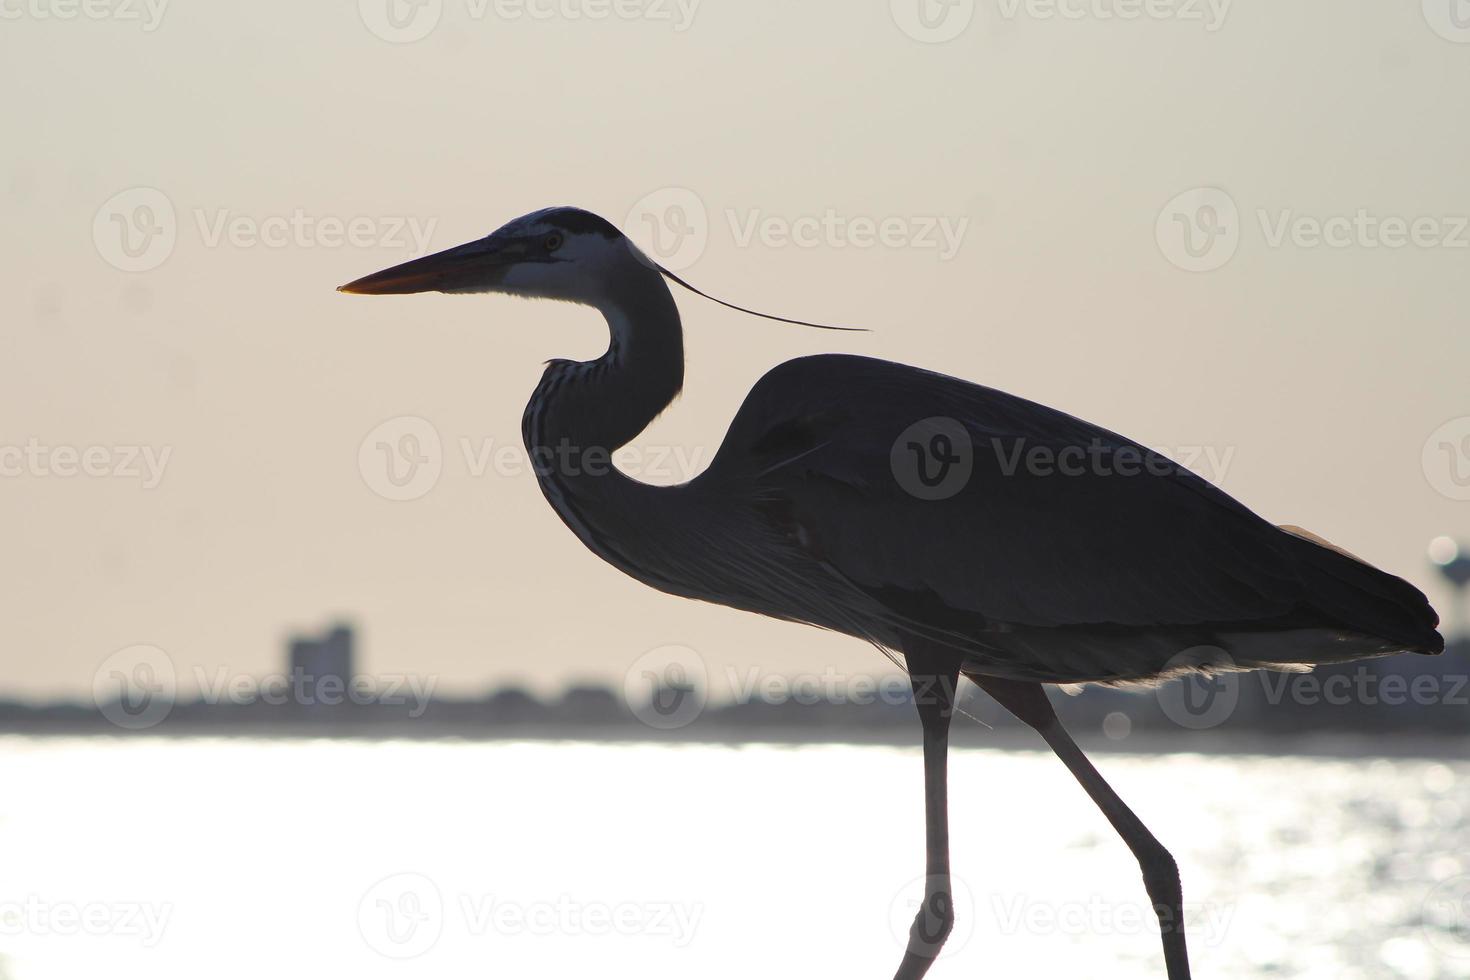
(1028, 702)
(934, 679)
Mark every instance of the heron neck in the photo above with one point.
(588, 409)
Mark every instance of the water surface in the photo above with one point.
(164, 859)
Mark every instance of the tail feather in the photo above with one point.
(1364, 599)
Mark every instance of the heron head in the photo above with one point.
(560, 253)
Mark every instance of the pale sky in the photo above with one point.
(1306, 378)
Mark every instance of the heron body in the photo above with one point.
(968, 531)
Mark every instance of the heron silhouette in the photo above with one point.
(964, 530)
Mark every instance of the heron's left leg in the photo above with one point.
(1028, 702)
(934, 679)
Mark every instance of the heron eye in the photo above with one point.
(553, 242)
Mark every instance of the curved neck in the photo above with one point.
(583, 411)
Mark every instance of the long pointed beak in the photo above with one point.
(454, 268)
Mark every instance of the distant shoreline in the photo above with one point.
(1319, 744)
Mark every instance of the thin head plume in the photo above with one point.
(764, 316)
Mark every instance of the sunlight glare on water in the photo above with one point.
(178, 859)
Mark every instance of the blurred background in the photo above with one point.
(299, 666)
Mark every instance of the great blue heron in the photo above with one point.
(912, 510)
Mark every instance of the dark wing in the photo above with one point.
(951, 502)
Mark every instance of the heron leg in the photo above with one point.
(1028, 702)
(934, 680)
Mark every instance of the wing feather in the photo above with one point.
(1128, 539)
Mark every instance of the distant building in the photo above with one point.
(322, 669)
